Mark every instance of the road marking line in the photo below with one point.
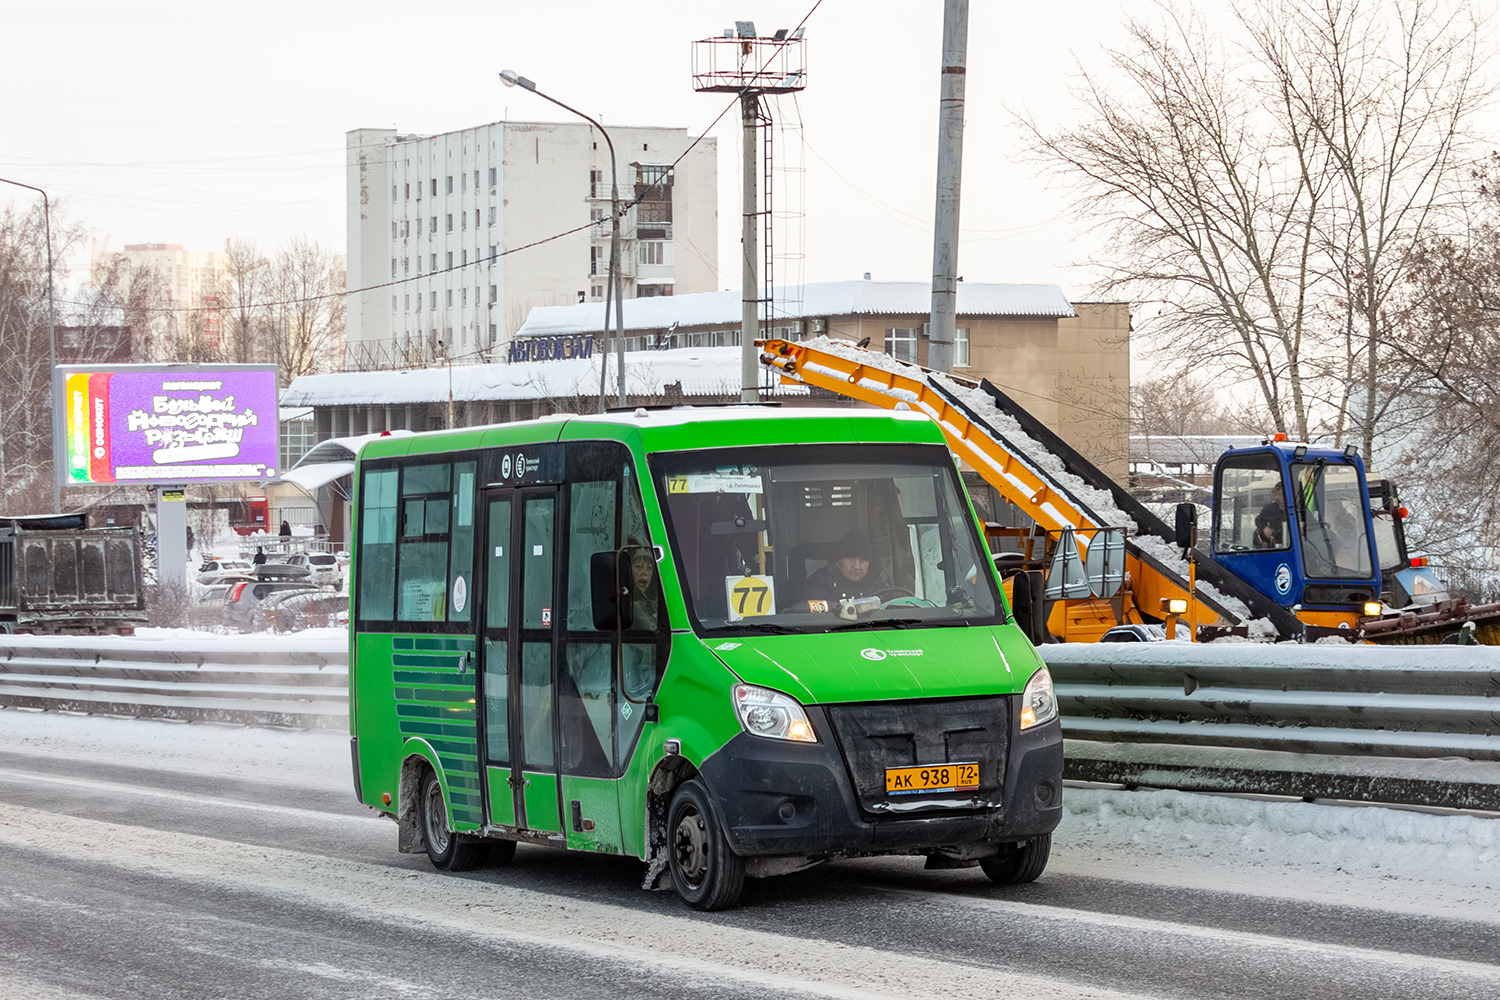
(27, 777)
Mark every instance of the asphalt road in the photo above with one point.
(129, 880)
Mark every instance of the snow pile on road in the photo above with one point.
(1404, 860)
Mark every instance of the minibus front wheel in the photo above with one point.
(1017, 863)
(449, 851)
(707, 873)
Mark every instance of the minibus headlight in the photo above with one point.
(1038, 702)
(771, 714)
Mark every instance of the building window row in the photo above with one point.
(901, 344)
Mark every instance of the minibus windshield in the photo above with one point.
(814, 538)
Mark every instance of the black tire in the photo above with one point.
(1017, 863)
(449, 851)
(707, 873)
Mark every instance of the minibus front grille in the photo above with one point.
(876, 736)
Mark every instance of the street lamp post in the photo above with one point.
(513, 79)
(51, 347)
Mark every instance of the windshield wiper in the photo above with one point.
(771, 627)
(873, 623)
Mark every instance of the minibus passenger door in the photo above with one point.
(494, 662)
(519, 625)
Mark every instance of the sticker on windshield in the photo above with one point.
(460, 594)
(750, 596)
(717, 481)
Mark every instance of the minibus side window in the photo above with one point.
(377, 546)
(591, 528)
(422, 573)
(461, 558)
(605, 515)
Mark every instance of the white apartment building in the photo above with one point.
(190, 278)
(189, 275)
(455, 238)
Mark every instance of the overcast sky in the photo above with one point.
(173, 122)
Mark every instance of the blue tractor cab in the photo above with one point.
(1293, 521)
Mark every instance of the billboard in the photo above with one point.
(166, 423)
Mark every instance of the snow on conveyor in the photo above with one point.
(1099, 503)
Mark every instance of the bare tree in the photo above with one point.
(246, 275)
(1390, 91)
(26, 352)
(1270, 186)
(23, 351)
(1186, 404)
(140, 293)
(1449, 363)
(307, 315)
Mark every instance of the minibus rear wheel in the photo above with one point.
(1017, 863)
(707, 873)
(449, 851)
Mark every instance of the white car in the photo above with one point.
(323, 568)
(222, 570)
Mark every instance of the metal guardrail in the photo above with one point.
(230, 681)
(1399, 725)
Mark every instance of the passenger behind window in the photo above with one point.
(644, 590)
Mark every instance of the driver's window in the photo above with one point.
(1251, 511)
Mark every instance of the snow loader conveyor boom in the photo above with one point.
(957, 404)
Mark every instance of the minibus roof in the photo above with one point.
(679, 428)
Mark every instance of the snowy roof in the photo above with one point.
(310, 477)
(706, 371)
(336, 450)
(1188, 449)
(832, 298)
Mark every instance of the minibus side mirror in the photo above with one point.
(609, 579)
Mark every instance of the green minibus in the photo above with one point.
(729, 641)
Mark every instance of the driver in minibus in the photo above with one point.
(848, 574)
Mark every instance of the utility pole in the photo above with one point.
(943, 327)
(750, 248)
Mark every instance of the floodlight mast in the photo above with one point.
(741, 62)
(513, 79)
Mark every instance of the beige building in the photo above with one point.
(454, 238)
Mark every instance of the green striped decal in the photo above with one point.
(433, 685)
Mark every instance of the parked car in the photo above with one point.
(1135, 633)
(218, 570)
(216, 593)
(243, 605)
(313, 609)
(322, 567)
(282, 571)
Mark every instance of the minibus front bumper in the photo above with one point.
(827, 799)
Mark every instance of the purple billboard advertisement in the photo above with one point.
(145, 424)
